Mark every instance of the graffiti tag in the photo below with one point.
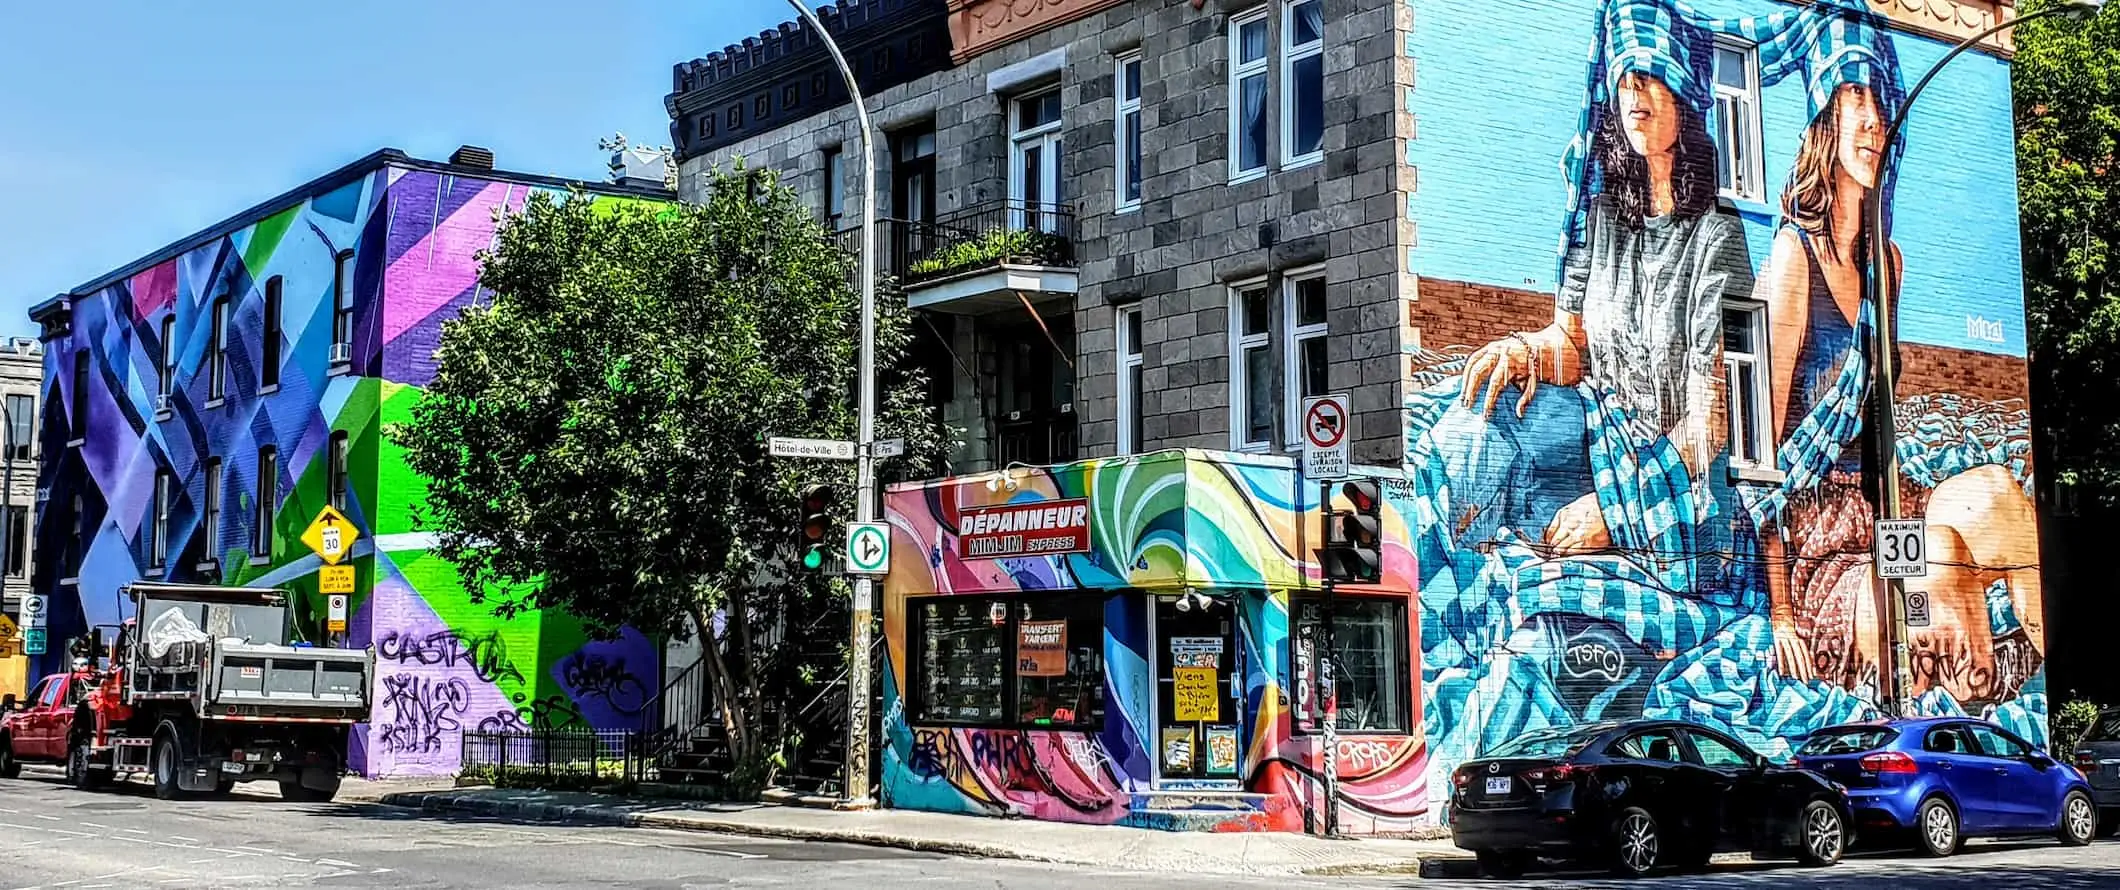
(929, 758)
(1593, 655)
(423, 711)
(608, 679)
(486, 655)
(1358, 756)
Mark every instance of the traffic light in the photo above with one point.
(1354, 538)
(816, 524)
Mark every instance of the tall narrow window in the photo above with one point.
(1303, 83)
(335, 470)
(21, 425)
(268, 502)
(166, 375)
(1744, 342)
(77, 413)
(17, 541)
(1126, 131)
(217, 357)
(1303, 304)
(342, 309)
(1034, 171)
(158, 533)
(269, 346)
(210, 516)
(1247, 94)
(1129, 439)
(835, 194)
(78, 543)
(1251, 367)
(1738, 172)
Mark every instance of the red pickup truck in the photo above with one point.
(35, 730)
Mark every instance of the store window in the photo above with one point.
(1035, 662)
(1371, 666)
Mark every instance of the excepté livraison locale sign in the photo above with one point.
(1041, 528)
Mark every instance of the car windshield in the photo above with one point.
(1845, 740)
(1550, 744)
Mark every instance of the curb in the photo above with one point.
(450, 803)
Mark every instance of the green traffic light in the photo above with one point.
(813, 558)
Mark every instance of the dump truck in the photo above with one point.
(204, 688)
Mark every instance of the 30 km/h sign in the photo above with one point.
(1900, 551)
(868, 548)
(331, 535)
(1325, 437)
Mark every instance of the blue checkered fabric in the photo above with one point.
(1944, 434)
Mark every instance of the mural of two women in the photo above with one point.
(1583, 551)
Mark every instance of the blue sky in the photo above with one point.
(125, 125)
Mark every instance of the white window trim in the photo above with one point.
(1752, 178)
(1290, 55)
(158, 549)
(1238, 385)
(166, 379)
(1045, 136)
(1762, 442)
(1123, 107)
(210, 513)
(1130, 353)
(1292, 340)
(1237, 73)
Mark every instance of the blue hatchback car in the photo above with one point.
(1938, 781)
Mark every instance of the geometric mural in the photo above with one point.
(409, 232)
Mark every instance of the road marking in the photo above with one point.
(128, 830)
(95, 825)
(260, 850)
(72, 832)
(382, 871)
(206, 860)
(47, 819)
(336, 864)
(179, 837)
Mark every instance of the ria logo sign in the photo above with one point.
(1594, 654)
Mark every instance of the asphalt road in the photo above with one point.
(54, 837)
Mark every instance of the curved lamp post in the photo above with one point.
(1879, 287)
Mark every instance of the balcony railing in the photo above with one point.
(977, 238)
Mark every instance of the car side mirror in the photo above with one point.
(8, 702)
(2039, 762)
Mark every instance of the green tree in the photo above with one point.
(2068, 118)
(595, 433)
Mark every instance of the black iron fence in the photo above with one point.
(1012, 232)
(575, 757)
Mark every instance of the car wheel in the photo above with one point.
(9, 766)
(1636, 842)
(166, 769)
(1503, 863)
(2108, 823)
(1937, 825)
(1823, 835)
(2079, 820)
(294, 791)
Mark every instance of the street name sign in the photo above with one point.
(1325, 437)
(331, 535)
(868, 548)
(820, 449)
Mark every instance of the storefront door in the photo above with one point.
(1197, 738)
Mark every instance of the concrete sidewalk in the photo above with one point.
(1256, 853)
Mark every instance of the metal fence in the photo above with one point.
(580, 757)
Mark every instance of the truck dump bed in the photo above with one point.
(226, 651)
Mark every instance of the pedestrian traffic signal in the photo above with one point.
(816, 524)
(1354, 538)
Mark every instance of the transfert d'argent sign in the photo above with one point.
(1045, 528)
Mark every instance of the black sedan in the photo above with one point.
(1639, 796)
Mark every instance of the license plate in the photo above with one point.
(1497, 785)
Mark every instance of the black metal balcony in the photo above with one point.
(971, 240)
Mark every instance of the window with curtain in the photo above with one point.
(1303, 83)
(1248, 55)
(1126, 130)
(21, 425)
(1371, 663)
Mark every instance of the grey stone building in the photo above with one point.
(1135, 225)
(21, 381)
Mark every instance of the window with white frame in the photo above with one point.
(342, 308)
(1248, 59)
(1126, 134)
(1129, 330)
(217, 358)
(1303, 305)
(158, 543)
(166, 375)
(1251, 367)
(210, 516)
(1303, 83)
(1738, 171)
(1745, 379)
(1034, 161)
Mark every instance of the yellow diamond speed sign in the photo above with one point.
(331, 535)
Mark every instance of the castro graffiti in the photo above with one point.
(485, 654)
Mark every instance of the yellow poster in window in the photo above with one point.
(1193, 695)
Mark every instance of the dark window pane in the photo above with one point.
(269, 354)
(1133, 333)
(1258, 394)
(960, 661)
(1133, 156)
(1730, 68)
(1737, 330)
(21, 421)
(17, 541)
(1133, 385)
(1258, 312)
(1033, 175)
(268, 502)
(1060, 662)
(1309, 94)
(1251, 152)
(1130, 81)
(1310, 301)
(1312, 351)
(1308, 20)
(1747, 398)
(1369, 639)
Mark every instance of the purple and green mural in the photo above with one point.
(226, 388)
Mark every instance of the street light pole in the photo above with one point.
(855, 794)
(1881, 287)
